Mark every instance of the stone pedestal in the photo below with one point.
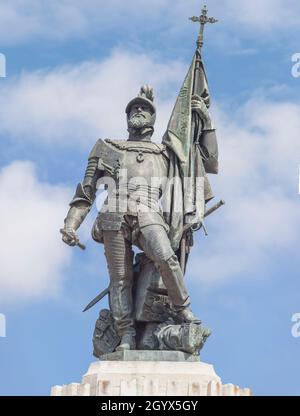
(150, 373)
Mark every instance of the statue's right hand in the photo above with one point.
(69, 236)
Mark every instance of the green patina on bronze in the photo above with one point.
(148, 297)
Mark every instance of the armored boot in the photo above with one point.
(185, 315)
(127, 342)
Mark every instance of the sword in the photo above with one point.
(96, 300)
(214, 208)
(207, 213)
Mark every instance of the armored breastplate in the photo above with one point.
(140, 176)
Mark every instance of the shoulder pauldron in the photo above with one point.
(109, 158)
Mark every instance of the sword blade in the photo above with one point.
(96, 299)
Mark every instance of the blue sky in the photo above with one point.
(71, 69)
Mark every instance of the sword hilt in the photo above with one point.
(80, 245)
(214, 208)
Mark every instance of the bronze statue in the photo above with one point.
(156, 200)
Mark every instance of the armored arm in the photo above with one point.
(83, 200)
(84, 196)
(206, 136)
(199, 106)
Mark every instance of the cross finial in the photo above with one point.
(203, 19)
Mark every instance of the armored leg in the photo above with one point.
(156, 245)
(119, 257)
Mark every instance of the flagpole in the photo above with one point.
(203, 20)
(200, 91)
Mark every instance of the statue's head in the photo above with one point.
(141, 112)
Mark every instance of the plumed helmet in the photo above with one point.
(145, 96)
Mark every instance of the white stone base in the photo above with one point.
(150, 378)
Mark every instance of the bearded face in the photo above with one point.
(140, 116)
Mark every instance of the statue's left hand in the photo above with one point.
(199, 105)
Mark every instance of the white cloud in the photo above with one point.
(263, 15)
(76, 105)
(27, 20)
(32, 256)
(260, 156)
